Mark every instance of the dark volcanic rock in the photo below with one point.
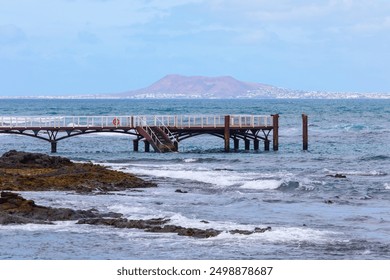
(21, 171)
(15, 159)
(159, 225)
(248, 232)
(180, 191)
(262, 230)
(125, 223)
(153, 225)
(193, 232)
(337, 175)
(14, 209)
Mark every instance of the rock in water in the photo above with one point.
(14, 209)
(337, 175)
(157, 225)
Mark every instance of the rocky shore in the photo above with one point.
(14, 209)
(21, 171)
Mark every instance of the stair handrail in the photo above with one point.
(166, 130)
(152, 134)
(150, 131)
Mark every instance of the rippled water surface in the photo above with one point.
(313, 215)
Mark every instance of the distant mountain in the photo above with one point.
(178, 86)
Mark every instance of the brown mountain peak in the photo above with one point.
(201, 86)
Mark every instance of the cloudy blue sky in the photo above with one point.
(60, 47)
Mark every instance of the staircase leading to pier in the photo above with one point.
(156, 137)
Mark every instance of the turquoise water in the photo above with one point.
(312, 215)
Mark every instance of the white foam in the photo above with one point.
(293, 234)
(178, 219)
(189, 160)
(358, 173)
(57, 226)
(219, 178)
(387, 186)
(308, 184)
(285, 235)
(136, 212)
(262, 184)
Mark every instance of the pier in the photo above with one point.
(163, 132)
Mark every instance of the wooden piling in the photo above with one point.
(305, 132)
(227, 133)
(135, 145)
(275, 132)
(247, 144)
(236, 144)
(266, 145)
(53, 146)
(176, 144)
(256, 144)
(147, 146)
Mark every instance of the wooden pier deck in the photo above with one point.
(162, 132)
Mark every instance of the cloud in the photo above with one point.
(369, 28)
(223, 35)
(306, 19)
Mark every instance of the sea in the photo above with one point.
(313, 214)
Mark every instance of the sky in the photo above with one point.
(71, 47)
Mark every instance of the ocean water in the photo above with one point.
(312, 215)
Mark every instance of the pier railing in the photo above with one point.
(178, 121)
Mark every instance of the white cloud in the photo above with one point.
(177, 34)
(60, 16)
(303, 21)
(374, 26)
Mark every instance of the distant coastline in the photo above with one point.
(201, 87)
(88, 97)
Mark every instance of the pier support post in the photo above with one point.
(147, 146)
(256, 144)
(266, 145)
(247, 144)
(305, 132)
(135, 145)
(236, 144)
(176, 144)
(227, 133)
(53, 146)
(275, 122)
